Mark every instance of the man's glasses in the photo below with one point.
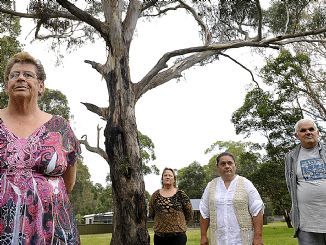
(303, 130)
(28, 75)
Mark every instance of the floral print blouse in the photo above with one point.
(34, 205)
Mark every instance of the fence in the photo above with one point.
(100, 228)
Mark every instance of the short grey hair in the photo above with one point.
(304, 120)
(25, 58)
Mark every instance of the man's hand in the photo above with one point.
(203, 240)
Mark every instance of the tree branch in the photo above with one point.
(130, 21)
(103, 112)
(145, 84)
(44, 37)
(96, 150)
(163, 11)
(173, 72)
(311, 113)
(302, 40)
(314, 97)
(98, 135)
(148, 5)
(277, 40)
(97, 66)
(206, 34)
(85, 17)
(244, 67)
(260, 20)
(287, 16)
(50, 14)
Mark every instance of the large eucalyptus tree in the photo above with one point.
(9, 32)
(223, 25)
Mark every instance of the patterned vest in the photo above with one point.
(240, 203)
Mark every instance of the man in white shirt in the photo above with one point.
(232, 208)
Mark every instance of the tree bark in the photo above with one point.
(287, 218)
(122, 148)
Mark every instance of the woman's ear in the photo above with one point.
(41, 89)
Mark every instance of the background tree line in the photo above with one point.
(292, 86)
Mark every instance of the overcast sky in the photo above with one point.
(183, 118)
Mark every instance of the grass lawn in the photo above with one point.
(274, 234)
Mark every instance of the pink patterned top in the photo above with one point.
(34, 205)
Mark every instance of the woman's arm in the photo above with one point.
(186, 206)
(69, 177)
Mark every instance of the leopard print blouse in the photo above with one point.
(170, 214)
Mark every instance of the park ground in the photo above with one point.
(274, 234)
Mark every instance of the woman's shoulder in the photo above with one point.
(59, 118)
(60, 125)
(157, 192)
(182, 193)
(3, 112)
(58, 121)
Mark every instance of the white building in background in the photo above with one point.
(107, 218)
(101, 218)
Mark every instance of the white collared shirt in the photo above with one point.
(227, 224)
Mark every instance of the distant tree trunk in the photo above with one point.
(122, 148)
(287, 218)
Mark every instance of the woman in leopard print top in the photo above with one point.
(171, 210)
